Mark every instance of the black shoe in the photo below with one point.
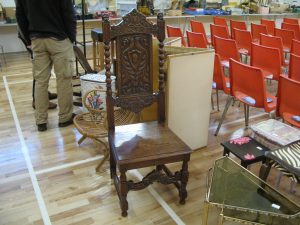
(52, 95)
(42, 127)
(67, 123)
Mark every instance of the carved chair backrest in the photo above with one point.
(133, 39)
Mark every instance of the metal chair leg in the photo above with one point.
(212, 102)
(217, 93)
(246, 111)
(3, 55)
(229, 99)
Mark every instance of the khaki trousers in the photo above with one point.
(48, 52)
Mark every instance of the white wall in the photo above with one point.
(8, 3)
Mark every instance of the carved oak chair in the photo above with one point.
(147, 144)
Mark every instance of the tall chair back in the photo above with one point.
(273, 42)
(267, 59)
(198, 27)
(294, 27)
(241, 25)
(220, 31)
(270, 24)
(295, 47)
(288, 106)
(290, 20)
(227, 49)
(287, 36)
(243, 40)
(175, 32)
(196, 40)
(256, 30)
(294, 67)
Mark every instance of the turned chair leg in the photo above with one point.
(184, 180)
(123, 193)
(112, 163)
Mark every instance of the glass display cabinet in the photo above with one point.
(245, 198)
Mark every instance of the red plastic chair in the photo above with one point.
(288, 105)
(274, 42)
(270, 24)
(220, 21)
(196, 40)
(175, 32)
(295, 47)
(243, 40)
(267, 59)
(294, 27)
(241, 25)
(248, 86)
(294, 68)
(198, 27)
(256, 30)
(287, 37)
(227, 49)
(220, 31)
(220, 82)
(290, 20)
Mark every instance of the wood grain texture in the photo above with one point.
(79, 195)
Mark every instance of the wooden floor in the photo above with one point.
(46, 178)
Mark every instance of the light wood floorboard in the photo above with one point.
(78, 195)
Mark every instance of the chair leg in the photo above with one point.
(106, 155)
(112, 163)
(184, 180)
(81, 139)
(221, 218)
(246, 111)
(278, 179)
(123, 193)
(229, 99)
(212, 102)
(205, 213)
(264, 171)
(217, 92)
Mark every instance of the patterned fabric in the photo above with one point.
(287, 160)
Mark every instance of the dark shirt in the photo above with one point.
(46, 18)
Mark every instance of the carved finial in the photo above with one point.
(105, 17)
(160, 16)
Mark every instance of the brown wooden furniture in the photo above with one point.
(143, 144)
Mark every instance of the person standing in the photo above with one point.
(49, 26)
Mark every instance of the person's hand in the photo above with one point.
(28, 46)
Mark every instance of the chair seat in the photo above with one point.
(89, 128)
(288, 118)
(145, 144)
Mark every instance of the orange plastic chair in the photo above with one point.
(274, 42)
(294, 68)
(294, 27)
(241, 25)
(227, 49)
(220, 82)
(220, 21)
(256, 30)
(248, 86)
(198, 27)
(270, 24)
(220, 31)
(243, 40)
(291, 21)
(267, 59)
(288, 106)
(287, 37)
(175, 32)
(295, 47)
(196, 40)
